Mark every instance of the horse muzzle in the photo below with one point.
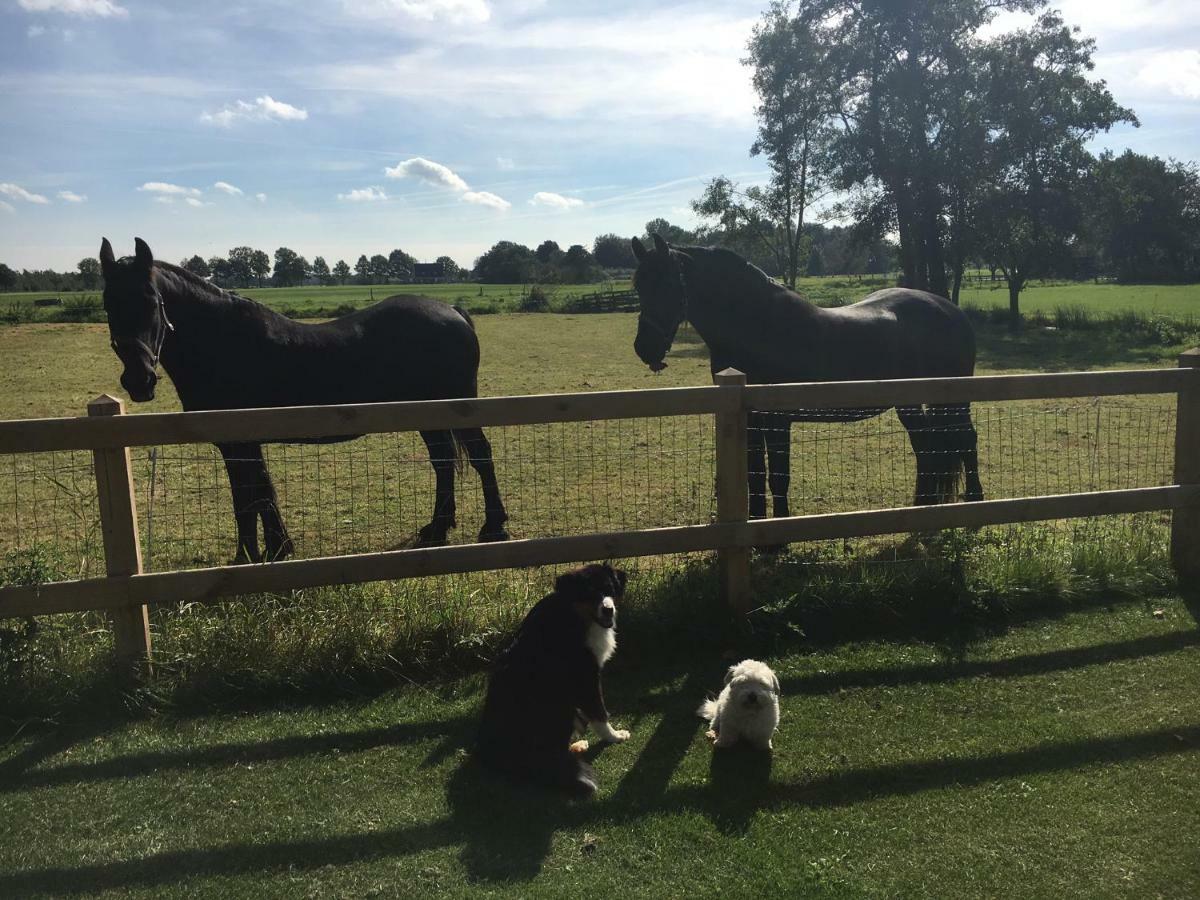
(140, 390)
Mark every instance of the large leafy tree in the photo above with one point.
(290, 267)
(8, 278)
(381, 268)
(89, 272)
(613, 252)
(400, 264)
(1143, 215)
(452, 269)
(506, 263)
(795, 109)
(341, 271)
(1044, 109)
(362, 269)
(197, 266)
(320, 270)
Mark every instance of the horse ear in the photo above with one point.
(639, 249)
(142, 254)
(107, 259)
(660, 245)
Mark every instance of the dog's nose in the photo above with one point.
(751, 699)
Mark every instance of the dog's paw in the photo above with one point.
(711, 735)
(618, 735)
(579, 747)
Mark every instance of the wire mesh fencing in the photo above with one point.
(375, 493)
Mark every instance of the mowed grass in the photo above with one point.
(992, 713)
(1058, 759)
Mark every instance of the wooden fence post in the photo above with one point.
(733, 494)
(1185, 522)
(122, 547)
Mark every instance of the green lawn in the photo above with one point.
(1057, 759)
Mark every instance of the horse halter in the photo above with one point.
(665, 333)
(164, 327)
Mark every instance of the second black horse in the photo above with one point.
(223, 351)
(758, 326)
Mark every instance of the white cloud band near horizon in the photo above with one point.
(364, 195)
(16, 192)
(100, 9)
(554, 201)
(167, 189)
(226, 188)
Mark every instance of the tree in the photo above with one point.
(8, 278)
(1143, 215)
(796, 104)
(197, 266)
(578, 266)
(548, 253)
(1045, 110)
(260, 266)
(222, 271)
(894, 73)
(613, 252)
(341, 271)
(290, 267)
(89, 272)
(400, 264)
(381, 269)
(506, 263)
(672, 234)
(453, 270)
(362, 269)
(320, 270)
(241, 266)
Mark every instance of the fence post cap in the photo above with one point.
(1190, 357)
(730, 376)
(106, 405)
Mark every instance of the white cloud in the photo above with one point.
(264, 109)
(72, 197)
(226, 188)
(169, 190)
(166, 199)
(484, 198)
(19, 193)
(101, 9)
(428, 171)
(364, 195)
(1175, 71)
(555, 201)
(192, 201)
(261, 198)
(458, 12)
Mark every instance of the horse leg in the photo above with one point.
(924, 444)
(479, 452)
(962, 442)
(779, 462)
(756, 465)
(443, 458)
(239, 464)
(278, 544)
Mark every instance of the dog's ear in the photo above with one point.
(620, 577)
(775, 683)
(729, 674)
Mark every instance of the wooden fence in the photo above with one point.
(127, 591)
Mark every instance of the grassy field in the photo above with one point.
(992, 712)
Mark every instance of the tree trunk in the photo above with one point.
(1014, 302)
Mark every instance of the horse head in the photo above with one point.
(137, 320)
(659, 285)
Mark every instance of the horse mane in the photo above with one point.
(727, 263)
(194, 285)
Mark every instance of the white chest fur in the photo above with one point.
(601, 641)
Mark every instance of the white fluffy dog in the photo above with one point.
(747, 709)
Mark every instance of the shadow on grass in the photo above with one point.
(1062, 350)
(506, 836)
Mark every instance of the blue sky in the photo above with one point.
(338, 127)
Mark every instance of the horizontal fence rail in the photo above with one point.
(731, 534)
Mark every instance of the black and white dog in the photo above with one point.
(547, 683)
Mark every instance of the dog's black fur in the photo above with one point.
(548, 680)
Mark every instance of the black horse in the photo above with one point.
(774, 335)
(223, 351)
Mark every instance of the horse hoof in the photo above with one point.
(492, 535)
(428, 537)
